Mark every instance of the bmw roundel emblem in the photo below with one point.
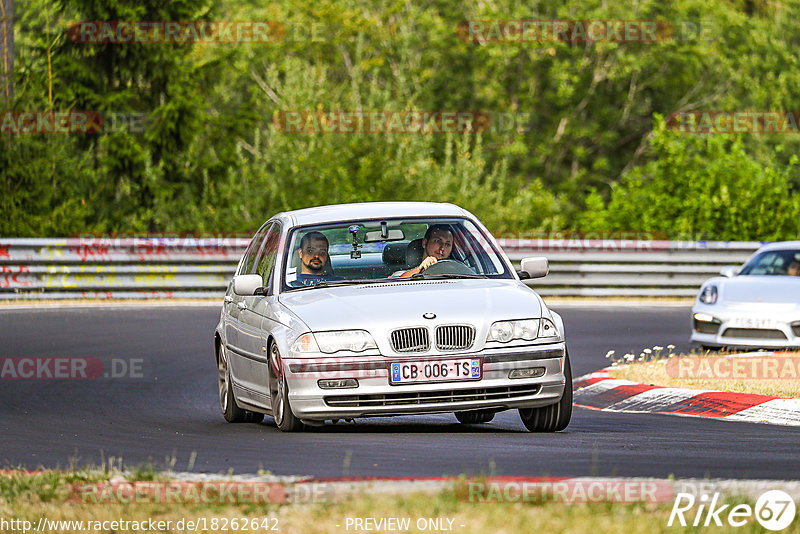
(429, 315)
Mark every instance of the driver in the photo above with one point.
(794, 268)
(436, 245)
(313, 254)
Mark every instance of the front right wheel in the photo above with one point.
(279, 393)
(556, 416)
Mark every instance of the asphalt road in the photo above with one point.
(167, 412)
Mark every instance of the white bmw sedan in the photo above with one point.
(755, 306)
(382, 309)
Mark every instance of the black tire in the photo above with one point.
(476, 417)
(556, 416)
(254, 417)
(285, 419)
(231, 412)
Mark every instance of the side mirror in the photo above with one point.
(729, 271)
(246, 284)
(536, 267)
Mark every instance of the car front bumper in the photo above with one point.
(375, 396)
(746, 327)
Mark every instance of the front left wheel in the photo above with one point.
(279, 393)
(475, 417)
(556, 416)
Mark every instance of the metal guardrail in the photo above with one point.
(138, 268)
(605, 268)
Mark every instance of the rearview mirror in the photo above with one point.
(246, 284)
(375, 236)
(729, 271)
(536, 267)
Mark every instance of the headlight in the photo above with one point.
(330, 342)
(708, 295)
(505, 331)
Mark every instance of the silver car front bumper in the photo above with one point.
(744, 328)
(375, 396)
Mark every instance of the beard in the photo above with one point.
(315, 266)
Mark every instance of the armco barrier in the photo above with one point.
(201, 268)
(117, 268)
(603, 268)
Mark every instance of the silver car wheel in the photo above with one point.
(231, 412)
(278, 389)
(285, 420)
(224, 379)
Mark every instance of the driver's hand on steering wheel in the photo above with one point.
(427, 262)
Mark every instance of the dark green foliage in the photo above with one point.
(590, 153)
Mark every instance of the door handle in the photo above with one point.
(242, 305)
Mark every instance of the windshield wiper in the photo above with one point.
(335, 283)
(442, 276)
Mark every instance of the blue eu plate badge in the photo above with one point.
(475, 368)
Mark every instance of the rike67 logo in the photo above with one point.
(774, 510)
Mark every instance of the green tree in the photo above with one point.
(700, 187)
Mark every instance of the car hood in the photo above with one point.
(396, 304)
(767, 289)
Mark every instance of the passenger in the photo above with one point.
(794, 268)
(436, 245)
(314, 262)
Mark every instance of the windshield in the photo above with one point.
(359, 251)
(774, 262)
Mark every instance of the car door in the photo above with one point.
(252, 335)
(234, 305)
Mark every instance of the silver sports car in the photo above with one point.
(387, 308)
(755, 306)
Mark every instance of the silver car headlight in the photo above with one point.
(708, 295)
(548, 330)
(331, 342)
(505, 331)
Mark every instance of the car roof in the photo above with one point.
(782, 245)
(370, 210)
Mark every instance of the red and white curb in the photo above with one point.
(600, 391)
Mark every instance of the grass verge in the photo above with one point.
(33, 496)
(775, 374)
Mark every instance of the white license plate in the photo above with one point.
(435, 371)
(753, 322)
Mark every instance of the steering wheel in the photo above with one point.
(448, 267)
